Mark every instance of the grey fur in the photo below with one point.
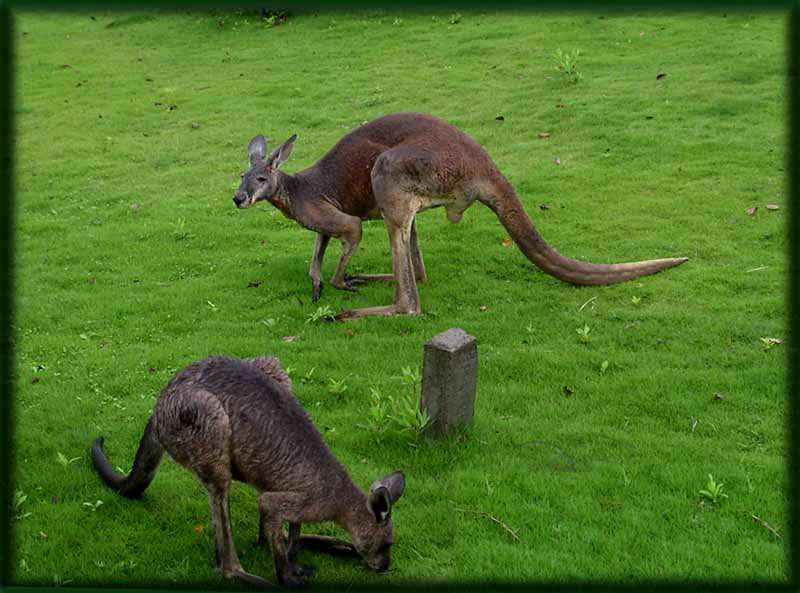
(236, 419)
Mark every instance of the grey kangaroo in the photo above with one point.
(391, 168)
(236, 419)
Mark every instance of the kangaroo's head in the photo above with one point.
(261, 181)
(372, 534)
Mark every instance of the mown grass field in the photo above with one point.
(585, 458)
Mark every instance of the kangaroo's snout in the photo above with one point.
(383, 567)
(241, 199)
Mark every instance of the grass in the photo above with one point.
(585, 458)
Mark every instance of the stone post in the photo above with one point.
(449, 377)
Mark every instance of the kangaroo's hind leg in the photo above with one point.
(195, 429)
(416, 260)
(398, 179)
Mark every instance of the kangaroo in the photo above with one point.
(229, 419)
(392, 168)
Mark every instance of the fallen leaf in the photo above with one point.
(718, 396)
(199, 528)
(289, 339)
(773, 207)
(254, 284)
(134, 206)
(506, 242)
(751, 211)
(195, 125)
(500, 118)
(544, 206)
(482, 308)
(43, 535)
(775, 340)
(544, 134)
(557, 161)
(660, 75)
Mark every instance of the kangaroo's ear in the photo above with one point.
(280, 154)
(395, 483)
(257, 149)
(379, 503)
(384, 493)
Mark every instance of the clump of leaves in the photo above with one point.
(400, 415)
(324, 313)
(377, 419)
(19, 499)
(713, 491)
(308, 377)
(337, 388)
(767, 343)
(603, 367)
(180, 233)
(568, 64)
(271, 18)
(583, 334)
(93, 505)
(64, 461)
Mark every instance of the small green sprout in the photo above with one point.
(324, 313)
(583, 333)
(713, 491)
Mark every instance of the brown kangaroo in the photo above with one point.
(393, 167)
(229, 419)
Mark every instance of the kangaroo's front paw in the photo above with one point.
(295, 575)
(302, 571)
(316, 291)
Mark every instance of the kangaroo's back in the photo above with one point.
(270, 442)
(344, 172)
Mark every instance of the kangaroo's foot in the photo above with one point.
(366, 311)
(364, 278)
(348, 282)
(250, 579)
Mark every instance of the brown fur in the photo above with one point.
(227, 419)
(393, 167)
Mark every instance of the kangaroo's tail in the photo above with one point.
(148, 456)
(519, 225)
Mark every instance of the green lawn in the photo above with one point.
(131, 262)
